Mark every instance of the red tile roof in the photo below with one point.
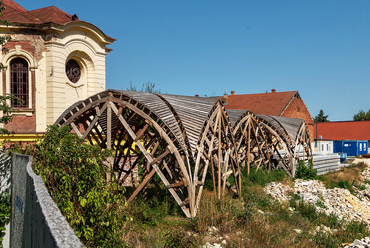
(343, 130)
(273, 103)
(17, 14)
(52, 14)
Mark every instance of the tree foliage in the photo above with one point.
(321, 117)
(362, 116)
(148, 87)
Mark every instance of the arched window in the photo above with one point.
(19, 82)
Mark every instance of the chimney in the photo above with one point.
(233, 92)
(273, 90)
(196, 95)
(225, 97)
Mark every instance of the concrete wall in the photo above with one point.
(36, 220)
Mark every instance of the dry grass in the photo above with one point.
(238, 221)
(348, 174)
(214, 212)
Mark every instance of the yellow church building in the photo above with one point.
(52, 61)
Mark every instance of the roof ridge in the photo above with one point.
(287, 105)
(264, 93)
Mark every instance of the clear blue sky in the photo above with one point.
(188, 47)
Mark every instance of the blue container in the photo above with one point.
(337, 146)
(362, 147)
(350, 147)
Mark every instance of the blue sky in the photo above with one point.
(320, 48)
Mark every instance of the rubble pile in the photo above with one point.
(366, 174)
(363, 243)
(338, 201)
(279, 191)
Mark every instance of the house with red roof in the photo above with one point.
(286, 104)
(53, 60)
(353, 136)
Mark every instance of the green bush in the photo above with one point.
(5, 213)
(75, 175)
(306, 172)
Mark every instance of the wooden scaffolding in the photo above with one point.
(184, 140)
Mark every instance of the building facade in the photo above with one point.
(348, 136)
(285, 104)
(53, 59)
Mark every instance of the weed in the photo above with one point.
(333, 221)
(262, 177)
(362, 187)
(179, 239)
(306, 172)
(321, 204)
(323, 239)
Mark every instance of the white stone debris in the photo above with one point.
(208, 245)
(363, 243)
(337, 201)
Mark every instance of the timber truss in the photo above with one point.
(183, 140)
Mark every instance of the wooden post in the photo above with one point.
(219, 157)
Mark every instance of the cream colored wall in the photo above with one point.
(54, 92)
(84, 47)
(40, 95)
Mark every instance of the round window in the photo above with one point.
(73, 71)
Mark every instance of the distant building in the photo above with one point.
(352, 137)
(53, 60)
(324, 146)
(285, 104)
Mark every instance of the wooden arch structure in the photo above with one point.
(300, 144)
(288, 140)
(251, 141)
(178, 138)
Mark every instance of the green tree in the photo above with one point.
(362, 116)
(148, 87)
(321, 117)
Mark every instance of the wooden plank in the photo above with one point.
(219, 157)
(109, 127)
(76, 130)
(93, 122)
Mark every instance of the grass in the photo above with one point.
(239, 221)
(346, 174)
